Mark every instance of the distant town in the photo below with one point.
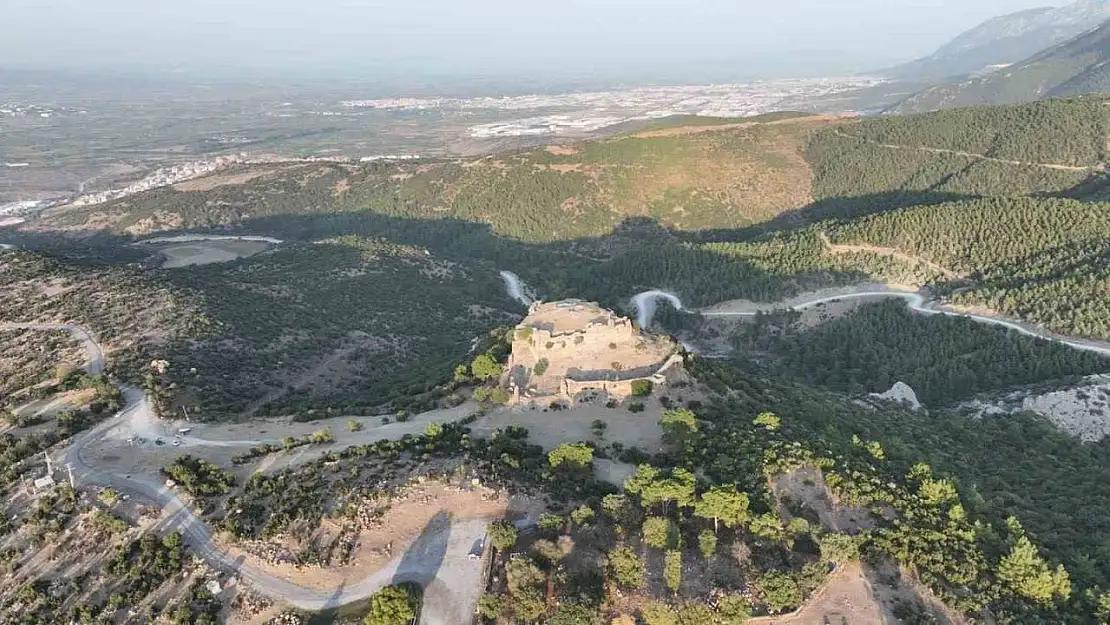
(582, 113)
(35, 110)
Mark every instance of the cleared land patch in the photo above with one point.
(384, 539)
(208, 252)
(550, 429)
(207, 183)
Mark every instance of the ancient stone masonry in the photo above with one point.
(565, 348)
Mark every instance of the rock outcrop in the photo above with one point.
(901, 393)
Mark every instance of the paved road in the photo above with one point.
(95, 364)
(916, 302)
(439, 560)
(516, 288)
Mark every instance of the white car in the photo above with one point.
(177, 443)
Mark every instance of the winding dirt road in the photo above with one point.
(972, 155)
(888, 252)
(439, 560)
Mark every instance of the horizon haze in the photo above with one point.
(612, 40)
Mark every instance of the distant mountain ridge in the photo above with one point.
(1004, 40)
(1078, 66)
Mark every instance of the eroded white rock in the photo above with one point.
(901, 393)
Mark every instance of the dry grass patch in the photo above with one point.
(562, 150)
(207, 183)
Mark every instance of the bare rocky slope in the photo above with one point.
(1005, 39)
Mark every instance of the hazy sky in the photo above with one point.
(334, 37)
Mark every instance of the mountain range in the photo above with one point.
(1004, 40)
(1077, 66)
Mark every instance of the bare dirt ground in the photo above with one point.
(695, 129)
(857, 595)
(562, 150)
(48, 408)
(806, 487)
(847, 596)
(616, 473)
(549, 428)
(821, 313)
(208, 252)
(377, 546)
(854, 593)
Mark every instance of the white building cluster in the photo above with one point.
(163, 177)
(34, 110)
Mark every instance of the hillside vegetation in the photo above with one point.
(720, 175)
(1016, 465)
(388, 281)
(347, 324)
(1044, 260)
(944, 359)
(392, 268)
(751, 505)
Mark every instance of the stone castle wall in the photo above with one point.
(621, 388)
(582, 347)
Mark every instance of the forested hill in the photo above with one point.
(998, 198)
(687, 174)
(1043, 148)
(1074, 67)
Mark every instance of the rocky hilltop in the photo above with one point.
(572, 348)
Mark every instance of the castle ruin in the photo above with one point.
(564, 349)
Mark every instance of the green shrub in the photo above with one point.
(541, 367)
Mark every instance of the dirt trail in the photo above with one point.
(984, 157)
(890, 252)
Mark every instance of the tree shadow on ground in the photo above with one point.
(418, 568)
(421, 562)
(902, 600)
